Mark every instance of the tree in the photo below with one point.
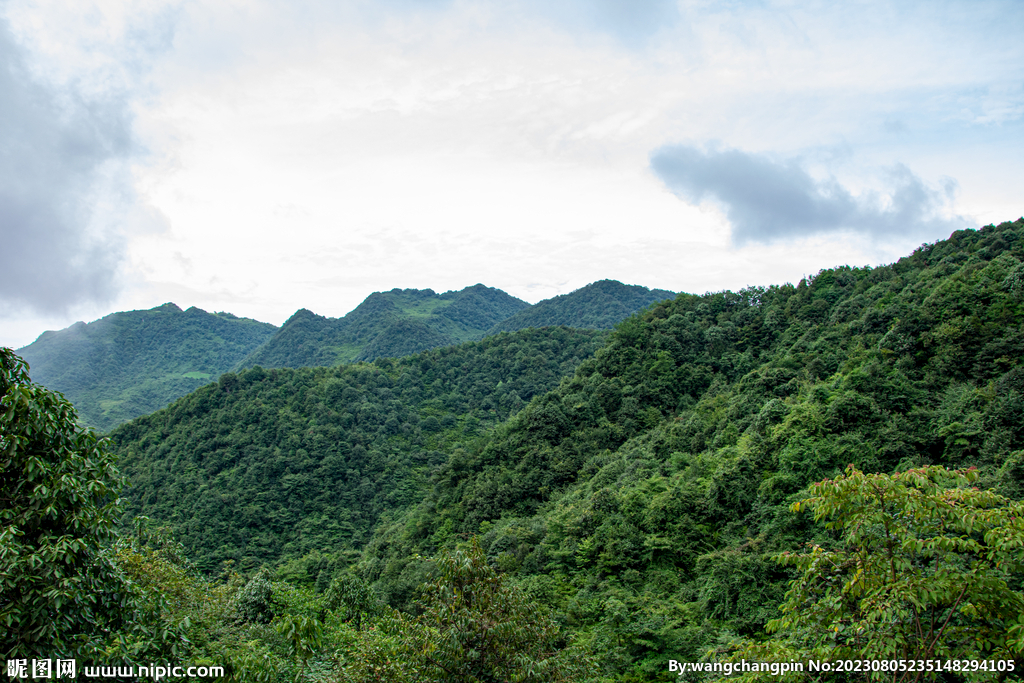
(304, 635)
(473, 629)
(924, 567)
(59, 591)
(351, 593)
(255, 602)
(174, 608)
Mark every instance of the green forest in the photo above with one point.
(827, 471)
(273, 464)
(133, 363)
(394, 323)
(600, 306)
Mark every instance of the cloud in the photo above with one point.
(765, 199)
(632, 22)
(57, 149)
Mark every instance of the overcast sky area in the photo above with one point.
(261, 157)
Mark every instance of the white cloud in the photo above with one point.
(768, 199)
(305, 154)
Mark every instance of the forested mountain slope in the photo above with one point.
(405, 321)
(644, 498)
(600, 305)
(132, 363)
(386, 324)
(135, 362)
(270, 464)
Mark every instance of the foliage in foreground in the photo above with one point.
(59, 592)
(69, 585)
(921, 566)
(473, 628)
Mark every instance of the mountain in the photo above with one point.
(599, 306)
(405, 321)
(386, 324)
(266, 464)
(645, 499)
(642, 499)
(134, 362)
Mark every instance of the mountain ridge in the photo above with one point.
(110, 389)
(599, 306)
(441, 320)
(133, 362)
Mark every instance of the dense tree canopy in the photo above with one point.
(473, 628)
(273, 463)
(629, 493)
(132, 363)
(645, 497)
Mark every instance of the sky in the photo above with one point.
(261, 157)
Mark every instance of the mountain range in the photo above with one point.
(133, 363)
(386, 324)
(636, 484)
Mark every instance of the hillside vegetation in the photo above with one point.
(644, 498)
(132, 363)
(415, 521)
(406, 321)
(270, 464)
(599, 306)
(386, 324)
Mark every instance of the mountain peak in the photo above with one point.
(599, 305)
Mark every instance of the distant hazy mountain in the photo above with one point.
(600, 305)
(132, 363)
(386, 324)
